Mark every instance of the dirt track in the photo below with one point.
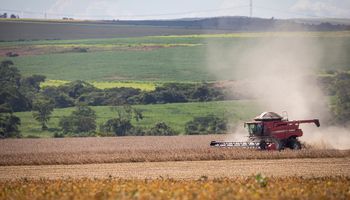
(185, 169)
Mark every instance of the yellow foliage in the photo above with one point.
(223, 188)
(145, 86)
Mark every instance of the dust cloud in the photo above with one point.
(280, 73)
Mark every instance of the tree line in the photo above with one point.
(23, 93)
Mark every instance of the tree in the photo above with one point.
(61, 99)
(201, 93)
(42, 110)
(16, 91)
(209, 124)
(3, 15)
(121, 125)
(9, 75)
(82, 120)
(33, 81)
(9, 125)
(161, 128)
(8, 122)
(76, 88)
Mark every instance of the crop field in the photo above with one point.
(253, 187)
(138, 149)
(54, 30)
(39, 166)
(129, 167)
(176, 115)
(142, 85)
(155, 58)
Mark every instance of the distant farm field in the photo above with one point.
(142, 85)
(176, 115)
(163, 58)
(53, 30)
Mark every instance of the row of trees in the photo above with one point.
(18, 93)
(21, 93)
(12, 16)
(77, 92)
(82, 122)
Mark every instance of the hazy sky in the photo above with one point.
(170, 9)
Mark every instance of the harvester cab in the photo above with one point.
(270, 131)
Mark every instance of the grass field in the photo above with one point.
(253, 187)
(175, 115)
(168, 58)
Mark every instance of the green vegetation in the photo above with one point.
(9, 125)
(149, 70)
(121, 124)
(81, 120)
(175, 115)
(42, 110)
(342, 98)
(167, 64)
(173, 58)
(204, 125)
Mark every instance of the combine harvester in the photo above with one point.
(270, 131)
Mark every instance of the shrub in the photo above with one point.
(209, 124)
(9, 125)
(161, 129)
(82, 120)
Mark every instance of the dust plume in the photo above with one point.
(280, 73)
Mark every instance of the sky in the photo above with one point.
(174, 9)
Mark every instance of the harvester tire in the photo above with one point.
(294, 144)
(279, 145)
(263, 145)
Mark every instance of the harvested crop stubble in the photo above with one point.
(254, 187)
(137, 149)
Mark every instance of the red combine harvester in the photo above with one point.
(270, 131)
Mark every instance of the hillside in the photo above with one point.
(27, 29)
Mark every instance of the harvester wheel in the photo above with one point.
(279, 145)
(263, 145)
(294, 144)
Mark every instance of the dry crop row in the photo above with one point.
(161, 155)
(253, 187)
(137, 149)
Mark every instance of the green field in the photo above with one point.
(175, 115)
(145, 62)
(175, 58)
(142, 85)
